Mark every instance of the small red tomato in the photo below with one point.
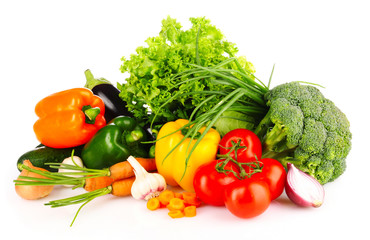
(247, 198)
(274, 174)
(209, 184)
(248, 139)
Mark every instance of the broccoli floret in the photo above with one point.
(313, 137)
(306, 129)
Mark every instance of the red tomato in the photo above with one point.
(209, 184)
(274, 174)
(248, 139)
(247, 198)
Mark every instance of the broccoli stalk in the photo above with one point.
(280, 129)
(273, 137)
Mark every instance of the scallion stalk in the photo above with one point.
(241, 92)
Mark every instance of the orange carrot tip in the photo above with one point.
(176, 214)
(95, 183)
(153, 204)
(165, 197)
(190, 211)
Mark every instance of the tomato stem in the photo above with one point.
(255, 166)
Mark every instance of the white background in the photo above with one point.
(45, 47)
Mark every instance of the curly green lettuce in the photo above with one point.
(152, 68)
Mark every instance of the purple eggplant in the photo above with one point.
(114, 105)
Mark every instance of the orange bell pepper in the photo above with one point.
(69, 118)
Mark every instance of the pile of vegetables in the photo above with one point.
(192, 116)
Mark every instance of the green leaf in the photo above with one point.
(175, 50)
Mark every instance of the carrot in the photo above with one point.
(178, 195)
(176, 204)
(190, 211)
(165, 197)
(92, 179)
(41, 177)
(189, 196)
(176, 213)
(116, 172)
(122, 187)
(124, 169)
(153, 204)
(191, 199)
(95, 183)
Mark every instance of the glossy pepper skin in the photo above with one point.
(63, 121)
(115, 142)
(172, 168)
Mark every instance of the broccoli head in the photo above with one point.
(306, 129)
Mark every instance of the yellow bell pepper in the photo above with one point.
(172, 167)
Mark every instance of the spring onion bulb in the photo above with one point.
(74, 161)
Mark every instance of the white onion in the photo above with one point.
(76, 161)
(303, 189)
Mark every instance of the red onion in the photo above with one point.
(303, 189)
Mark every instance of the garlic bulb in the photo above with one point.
(146, 185)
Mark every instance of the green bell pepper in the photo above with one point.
(115, 142)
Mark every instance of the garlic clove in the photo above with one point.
(303, 189)
(146, 185)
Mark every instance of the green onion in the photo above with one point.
(242, 93)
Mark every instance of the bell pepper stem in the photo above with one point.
(134, 136)
(91, 113)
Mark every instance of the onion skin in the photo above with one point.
(305, 197)
(32, 192)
